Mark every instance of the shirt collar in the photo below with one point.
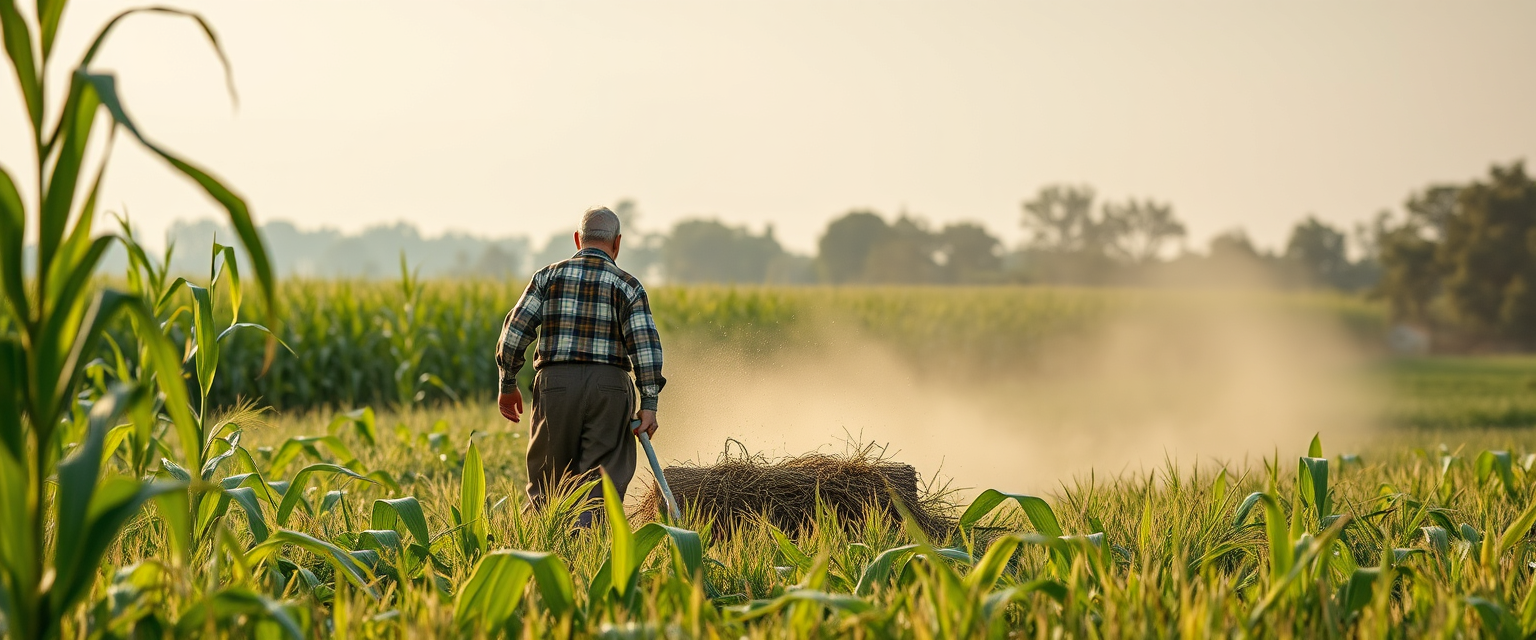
(594, 252)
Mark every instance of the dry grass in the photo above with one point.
(742, 488)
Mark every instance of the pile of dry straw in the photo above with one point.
(738, 489)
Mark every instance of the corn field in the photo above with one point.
(408, 342)
(145, 493)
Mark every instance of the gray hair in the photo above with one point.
(599, 224)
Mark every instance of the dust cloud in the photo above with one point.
(1206, 378)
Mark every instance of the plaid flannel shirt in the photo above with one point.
(591, 311)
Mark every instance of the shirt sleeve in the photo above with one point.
(644, 346)
(518, 332)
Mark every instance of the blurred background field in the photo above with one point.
(1110, 378)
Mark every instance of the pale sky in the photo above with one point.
(512, 117)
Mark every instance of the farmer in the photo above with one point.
(596, 328)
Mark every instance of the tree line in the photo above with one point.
(1459, 262)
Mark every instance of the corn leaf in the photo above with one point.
(472, 502)
(229, 605)
(300, 482)
(1039, 513)
(343, 562)
(407, 510)
(18, 47)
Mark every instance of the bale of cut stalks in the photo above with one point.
(738, 489)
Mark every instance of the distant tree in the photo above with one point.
(1410, 277)
(969, 254)
(709, 251)
(1472, 248)
(844, 249)
(1070, 244)
(1060, 218)
(1233, 245)
(1487, 253)
(1139, 230)
(1319, 253)
(903, 255)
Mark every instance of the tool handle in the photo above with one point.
(661, 478)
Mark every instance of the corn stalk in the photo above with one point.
(53, 538)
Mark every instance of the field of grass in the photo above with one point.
(145, 492)
(1446, 392)
(1404, 538)
(410, 521)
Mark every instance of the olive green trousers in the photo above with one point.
(581, 416)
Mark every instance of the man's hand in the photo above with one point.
(511, 404)
(647, 423)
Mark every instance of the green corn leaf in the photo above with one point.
(49, 13)
(1281, 551)
(13, 391)
(689, 546)
(792, 554)
(18, 47)
(77, 477)
(300, 482)
(72, 253)
(13, 229)
(343, 562)
(1517, 530)
(250, 503)
(76, 124)
(601, 585)
(472, 502)
(986, 573)
(232, 267)
(495, 588)
(174, 509)
(229, 605)
(1358, 591)
(1039, 513)
(407, 510)
(385, 479)
(1281, 581)
(381, 540)
(170, 292)
(1312, 481)
(1489, 462)
(623, 562)
(362, 420)
(114, 441)
(878, 571)
(231, 329)
(207, 349)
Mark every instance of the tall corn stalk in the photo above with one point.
(58, 515)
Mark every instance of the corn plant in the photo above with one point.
(55, 535)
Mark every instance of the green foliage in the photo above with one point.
(64, 507)
(1462, 263)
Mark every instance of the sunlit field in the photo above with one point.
(231, 454)
(405, 516)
